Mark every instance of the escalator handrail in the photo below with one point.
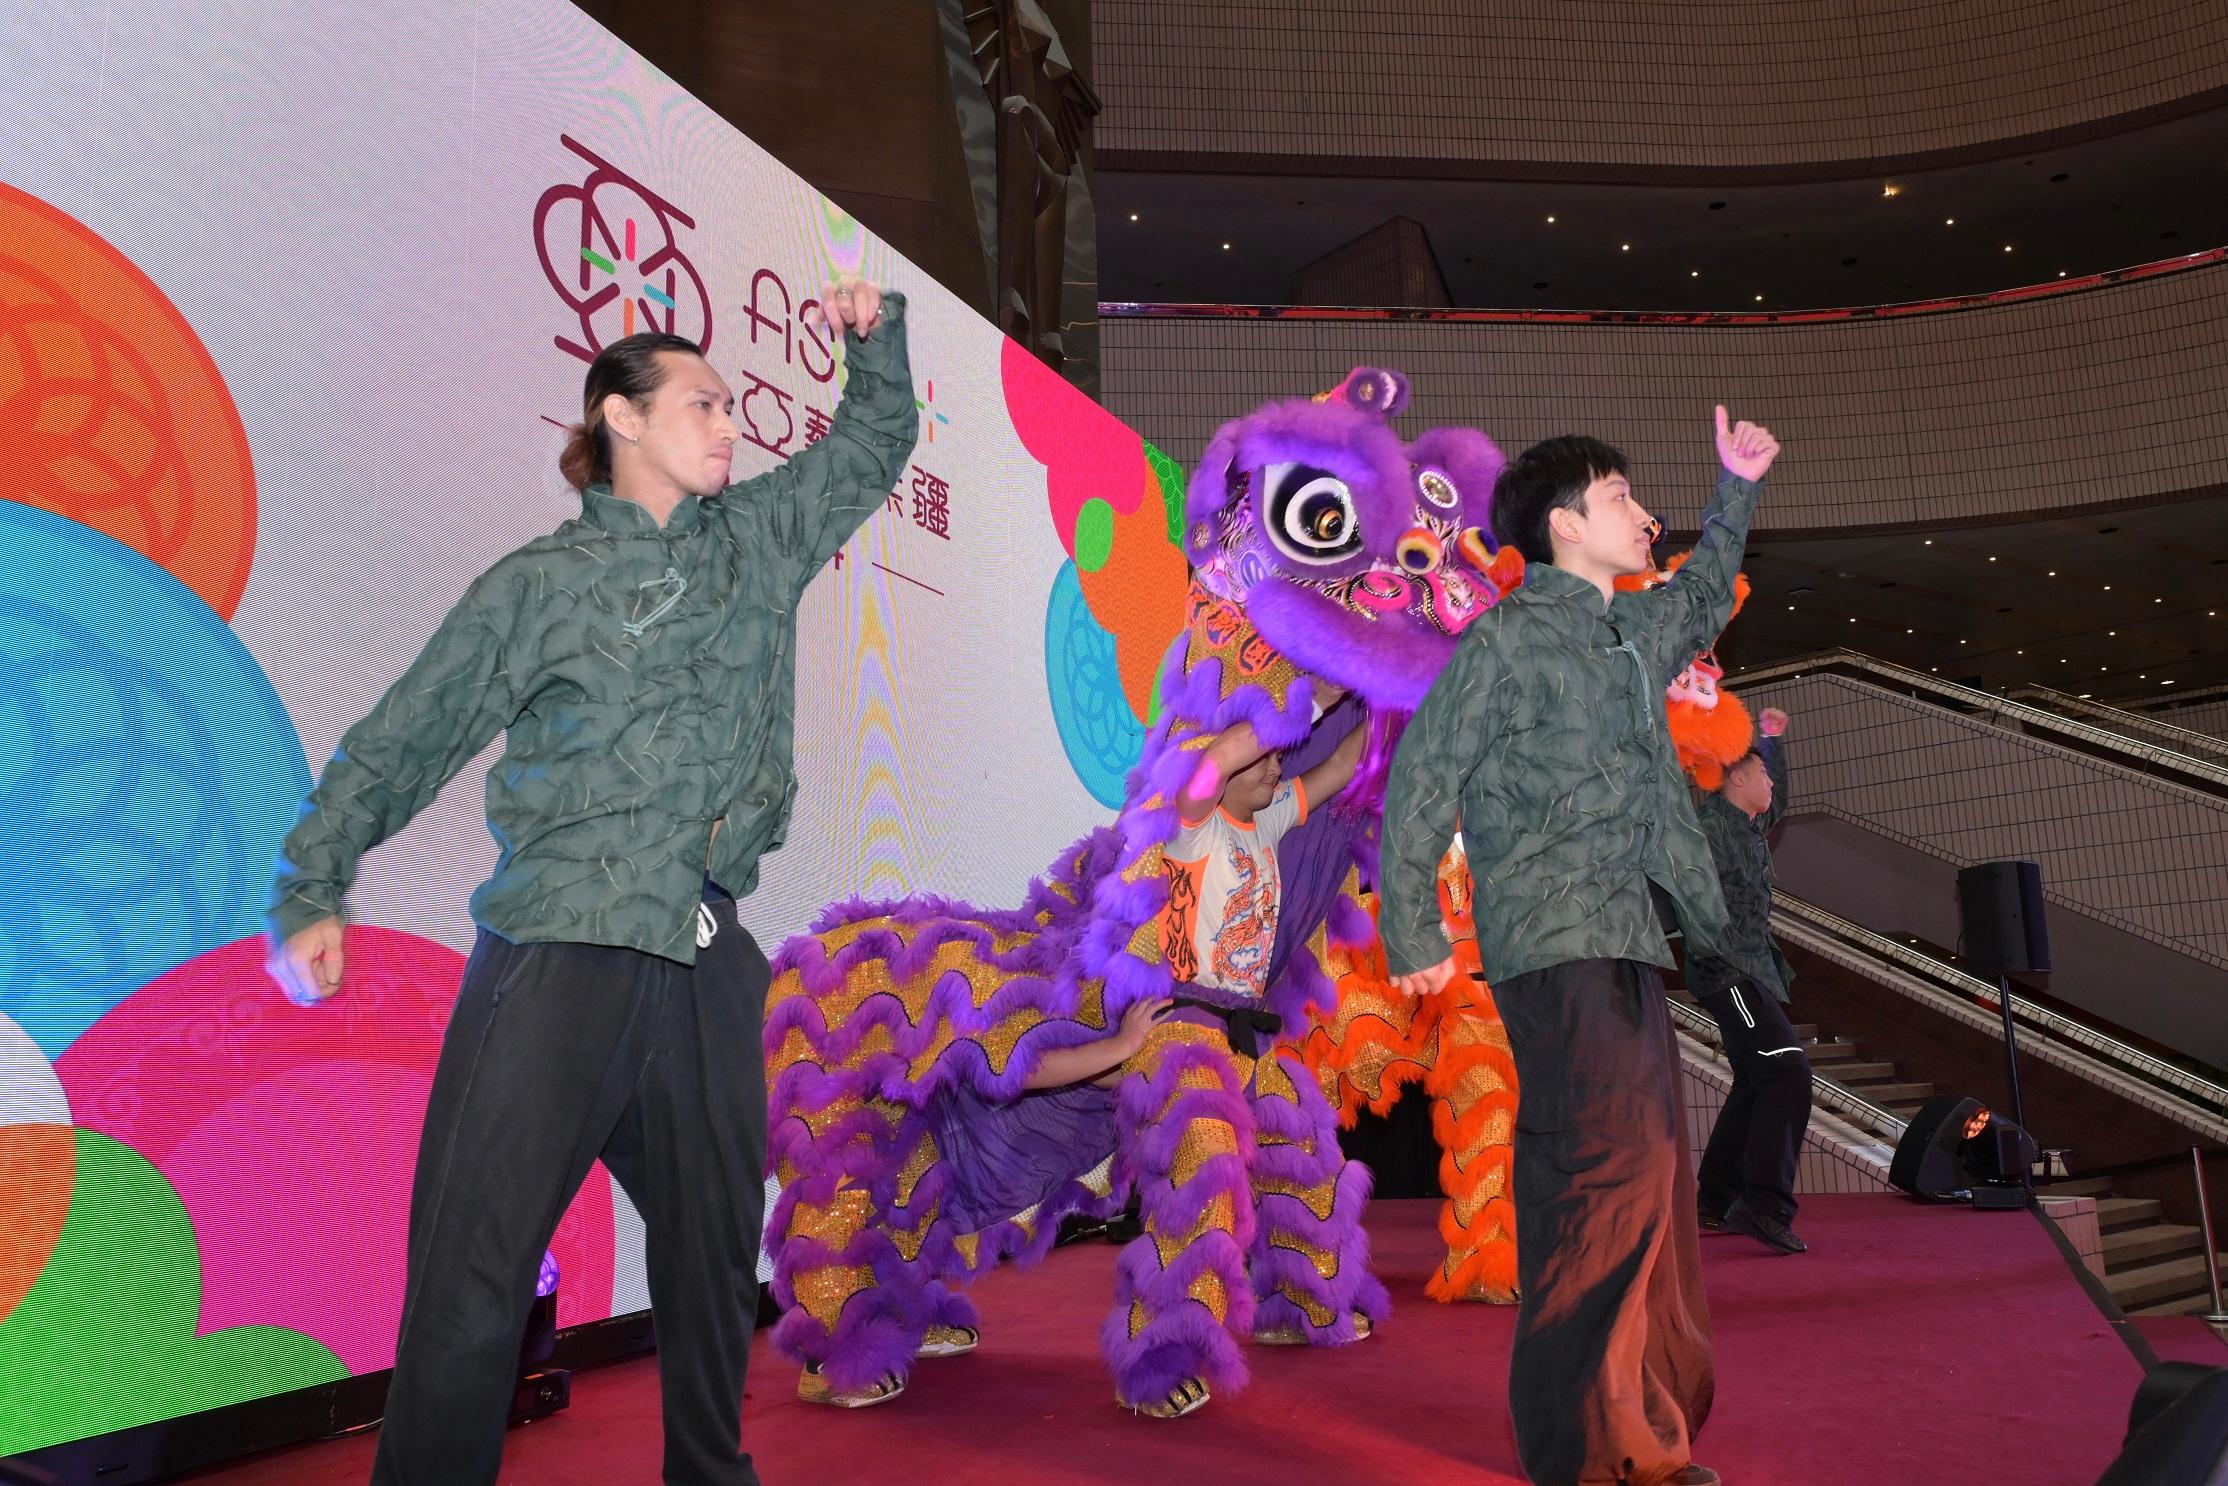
(1983, 701)
(2202, 746)
(2202, 1094)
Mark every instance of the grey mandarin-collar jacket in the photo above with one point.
(1545, 739)
(645, 680)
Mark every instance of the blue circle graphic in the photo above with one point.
(1103, 738)
(147, 774)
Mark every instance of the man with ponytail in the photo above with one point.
(641, 662)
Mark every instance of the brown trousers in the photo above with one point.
(1610, 1377)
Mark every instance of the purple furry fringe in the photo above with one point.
(1181, 1338)
(1364, 797)
(1353, 1287)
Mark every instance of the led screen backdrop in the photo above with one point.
(294, 298)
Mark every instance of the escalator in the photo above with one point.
(1900, 779)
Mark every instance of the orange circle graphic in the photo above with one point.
(112, 412)
(38, 1167)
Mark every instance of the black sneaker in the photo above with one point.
(1770, 1232)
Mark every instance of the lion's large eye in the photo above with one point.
(1310, 514)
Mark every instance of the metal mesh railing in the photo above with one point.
(1934, 767)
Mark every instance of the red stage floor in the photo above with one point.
(1913, 1346)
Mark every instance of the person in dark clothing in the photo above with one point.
(1545, 740)
(640, 662)
(1747, 1177)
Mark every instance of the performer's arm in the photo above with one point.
(1072, 1065)
(456, 696)
(810, 506)
(1444, 742)
(1698, 601)
(1234, 750)
(1772, 725)
(1321, 784)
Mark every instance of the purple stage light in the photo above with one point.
(547, 1283)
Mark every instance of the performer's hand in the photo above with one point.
(849, 303)
(1745, 449)
(1421, 983)
(1139, 1021)
(307, 966)
(1771, 722)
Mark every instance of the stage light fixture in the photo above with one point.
(1956, 1149)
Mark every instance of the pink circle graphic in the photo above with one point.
(290, 1134)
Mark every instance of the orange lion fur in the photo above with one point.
(1376, 1042)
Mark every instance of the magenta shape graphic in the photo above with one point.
(290, 1133)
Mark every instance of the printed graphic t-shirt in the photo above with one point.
(1220, 923)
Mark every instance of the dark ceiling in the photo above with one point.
(2147, 194)
(2040, 611)
(2130, 603)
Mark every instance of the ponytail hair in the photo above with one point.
(631, 368)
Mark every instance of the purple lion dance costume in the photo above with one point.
(901, 1035)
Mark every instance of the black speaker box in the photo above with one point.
(2000, 904)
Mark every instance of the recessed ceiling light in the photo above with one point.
(1697, 273)
(1759, 299)
(1852, 619)
(2061, 273)
(1910, 632)
(1949, 221)
(2158, 601)
(1890, 189)
(2166, 683)
(2007, 247)
(1624, 247)
(1226, 247)
(2019, 652)
(1790, 608)
(1133, 216)
(1550, 219)
(2107, 588)
(1992, 559)
(2111, 634)
(1960, 642)
(1929, 541)
(2053, 573)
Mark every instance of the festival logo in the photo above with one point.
(609, 248)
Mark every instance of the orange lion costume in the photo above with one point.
(1377, 1041)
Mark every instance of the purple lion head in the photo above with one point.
(1360, 557)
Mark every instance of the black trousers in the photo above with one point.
(1759, 1133)
(555, 1055)
(1610, 1376)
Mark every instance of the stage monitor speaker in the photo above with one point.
(2001, 908)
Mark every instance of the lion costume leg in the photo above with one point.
(1180, 1289)
(1473, 1115)
(855, 1270)
(1310, 1254)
